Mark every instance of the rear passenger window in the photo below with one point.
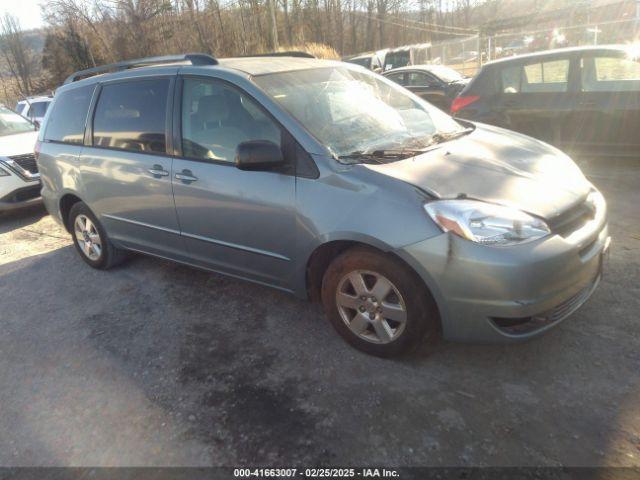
(397, 77)
(132, 116)
(543, 77)
(67, 119)
(546, 77)
(418, 79)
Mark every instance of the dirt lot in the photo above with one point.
(158, 364)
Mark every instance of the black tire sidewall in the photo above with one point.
(422, 314)
(81, 208)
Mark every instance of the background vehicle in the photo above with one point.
(19, 177)
(579, 99)
(330, 182)
(417, 54)
(34, 108)
(371, 61)
(437, 84)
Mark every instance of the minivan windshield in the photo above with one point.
(354, 112)
(11, 123)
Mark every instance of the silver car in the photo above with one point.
(19, 177)
(322, 179)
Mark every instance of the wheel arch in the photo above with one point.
(67, 201)
(324, 254)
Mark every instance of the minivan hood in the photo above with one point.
(497, 166)
(18, 144)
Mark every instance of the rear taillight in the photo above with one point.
(462, 102)
(36, 150)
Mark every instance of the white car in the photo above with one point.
(34, 108)
(19, 176)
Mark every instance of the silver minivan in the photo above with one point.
(328, 181)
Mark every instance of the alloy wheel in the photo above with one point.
(371, 306)
(88, 237)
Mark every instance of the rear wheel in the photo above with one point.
(91, 240)
(377, 304)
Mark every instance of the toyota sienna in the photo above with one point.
(325, 180)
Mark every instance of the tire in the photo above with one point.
(102, 258)
(376, 325)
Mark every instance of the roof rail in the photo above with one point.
(194, 58)
(291, 53)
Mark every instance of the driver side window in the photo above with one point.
(216, 118)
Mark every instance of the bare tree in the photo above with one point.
(16, 53)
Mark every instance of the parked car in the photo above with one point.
(371, 61)
(584, 99)
(417, 54)
(437, 84)
(19, 177)
(325, 180)
(34, 108)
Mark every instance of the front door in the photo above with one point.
(126, 170)
(234, 221)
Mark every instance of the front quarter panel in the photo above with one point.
(353, 203)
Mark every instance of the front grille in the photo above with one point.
(572, 219)
(26, 162)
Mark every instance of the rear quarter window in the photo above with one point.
(538, 77)
(68, 117)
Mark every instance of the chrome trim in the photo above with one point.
(236, 246)
(18, 170)
(142, 224)
(204, 239)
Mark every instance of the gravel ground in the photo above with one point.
(158, 364)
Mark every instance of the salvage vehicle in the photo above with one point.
(34, 108)
(371, 61)
(325, 180)
(581, 99)
(437, 84)
(19, 177)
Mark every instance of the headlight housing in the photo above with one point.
(486, 223)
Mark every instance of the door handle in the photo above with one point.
(587, 104)
(158, 171)
(186, 176)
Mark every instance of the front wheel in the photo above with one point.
(377, 304)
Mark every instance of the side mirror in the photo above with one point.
(258, 155)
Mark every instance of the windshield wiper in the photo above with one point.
(382, 155)
(441, 137)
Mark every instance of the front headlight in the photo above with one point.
(486, 223)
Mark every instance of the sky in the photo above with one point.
(27, 11)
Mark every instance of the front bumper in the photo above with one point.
(17, 193)
(491, 294)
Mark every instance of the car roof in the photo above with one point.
(245, 66)
(264, 65)
(41, 98)
(558, 51)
